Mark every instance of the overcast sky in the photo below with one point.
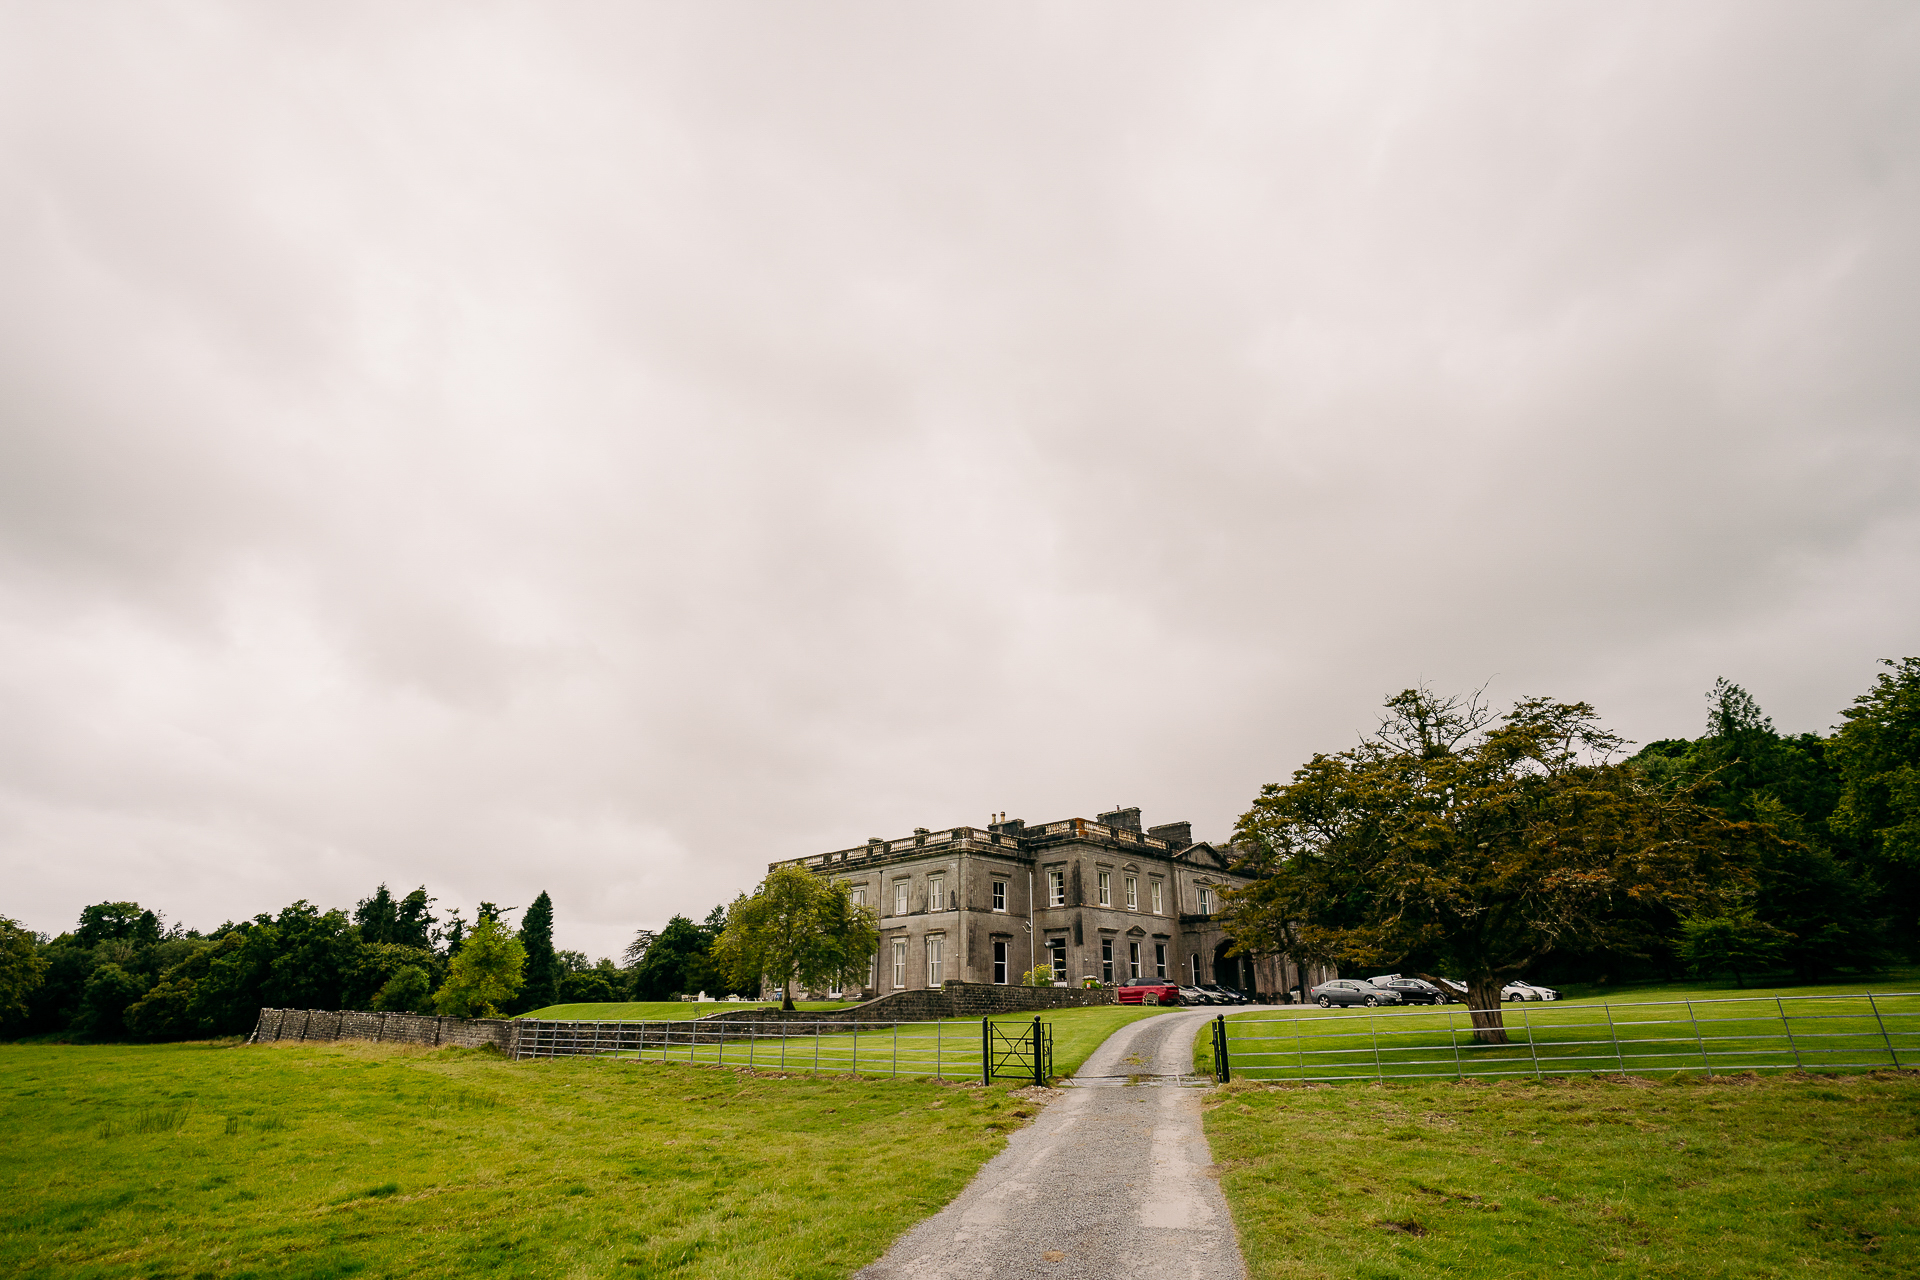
(604, 448)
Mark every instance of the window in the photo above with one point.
(859, 897)
(1160, 961)
(1056, 888)
(1000, 963)
(1106, 959)
(1195, 958)
(900, 898)
(1206, 901)
(1133, 959)
(899, 962)
(1156, 897)
(1133, 893)
(936, 955)
(999, 895)
(1057, 950)
(1106, 888)
(937, 894)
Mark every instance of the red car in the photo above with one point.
(1143, 992)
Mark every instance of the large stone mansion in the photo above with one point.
(1099, 899)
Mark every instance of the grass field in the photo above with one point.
(1737, 1178)
(668, 1010)
(1832, 1027)
(948, 1049)
(309, 1161)
(1896, 978)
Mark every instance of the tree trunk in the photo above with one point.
(786, 996)
(1483, 1006)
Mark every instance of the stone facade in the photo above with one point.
(1099, 899)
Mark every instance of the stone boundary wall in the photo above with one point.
(955, 1000)
(275, 1025)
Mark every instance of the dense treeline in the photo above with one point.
(1840, 889)
(122, 973)
(1495, 846)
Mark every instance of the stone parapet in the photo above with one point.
(275, 1025)
(528, 1037)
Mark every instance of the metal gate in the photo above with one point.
(1015, 1050)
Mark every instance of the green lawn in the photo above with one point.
(1896, 978)
(667, 1010)
(949, 1048)
(384, 1160)
(1832, 1027)
(1739, 1178)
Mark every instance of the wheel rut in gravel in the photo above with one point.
(1112, 1179)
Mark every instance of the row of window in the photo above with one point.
(1056, 955)
(1056, 894)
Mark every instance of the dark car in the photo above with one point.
(1137, 991)
(1194, 995)
(1412, 990)
(1226, 995)
(1345, 991)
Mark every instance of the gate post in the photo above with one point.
(1222, 1065)
(986, 1054)
(1039, 1067)
(1875, 1006)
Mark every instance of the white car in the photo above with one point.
(1527, 991)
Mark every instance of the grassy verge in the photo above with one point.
(1815, 1029)
(1742, 1177)
(344, 1159)
(667, 1010)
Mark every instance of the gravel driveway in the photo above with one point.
(1111, 1180)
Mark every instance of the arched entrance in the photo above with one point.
(1232, 971)
(1226, 969)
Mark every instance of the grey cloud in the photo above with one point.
(606, 451)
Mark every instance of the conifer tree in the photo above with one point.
(543, 967)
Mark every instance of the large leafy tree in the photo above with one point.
(315, 958)
(486, 974)
(110, 990)
(376, 917)
(22, 969)
(405, 992)
(796, 928)
(413, 920)
(117, 922)
(1479, 844)
(1876, 753)
(675, 963)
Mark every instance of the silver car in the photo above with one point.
(1345, 991)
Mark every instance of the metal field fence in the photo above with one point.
(948, 1050)
(1721, 1036)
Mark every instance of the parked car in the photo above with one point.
(1412, 990)
(1517, 990)
(1345, 991)
(1137, 991)
(1194, 995)
(1226, 995)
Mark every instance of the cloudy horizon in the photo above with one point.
(607, 449)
